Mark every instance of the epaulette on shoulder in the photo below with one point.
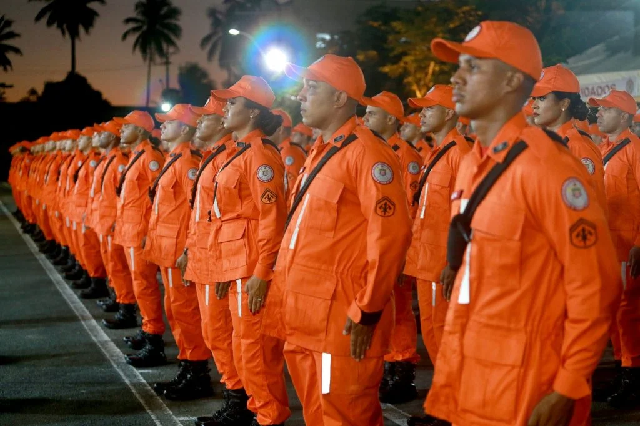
(378, 135)
(411, 145)
(395, 147)
(469, 139)
(555, 137)
(157, 149)
(269, 142)
(196, 153)
(583, 133)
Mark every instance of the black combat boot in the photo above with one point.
(75, 274)
(63, 259)
(82, 283)
(255, 423)
(152, 355)
(426, 420)
(387, 378)
(71, 264)
(109, 304)
(195, 384)
(603, 391)
(137, 341)
(37, 236)
(55, 252)
(628, 394)
(234, 412)
(402, 388)
(160, 387)
(47, 247)
(125, 318)
(97, 289)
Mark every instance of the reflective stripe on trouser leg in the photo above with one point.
(326, 373)
(239, 291)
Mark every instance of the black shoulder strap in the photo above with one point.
(323, 161)
(583, 133)
(154, 187)
(270, 143)
(106, 168)
(556, 137)
(491, 178)
(124, 173)
(245, 147)
(77, 173)
(196, 153)
(299, 147)
(425, 175)
(469, 139)
(203, 166)
(155, 147)
(615, 150)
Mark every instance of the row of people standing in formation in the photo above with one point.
(519, 227)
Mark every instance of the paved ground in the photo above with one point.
(58, 366)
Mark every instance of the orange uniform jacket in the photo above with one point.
(105, 190)
(410, 163)
(423, 148)
(622, 184)
(533, 300)
(134, 206)
(345, 244)
(200, 225)
(426, 257)
(588, 153)
(169, 220)
(76, 162)
(248, 212)
(293, 156)
(83, 181)
(51, 177)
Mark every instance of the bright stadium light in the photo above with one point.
(234, 32)
(165, 107)
(276, 59)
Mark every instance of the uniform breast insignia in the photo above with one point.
(93, 163)
(265, 173)
(289, 160)
(588, 163)
(382, 173)
(191, 174)
(121, 168)
(339, 138)
(583, 234)
(413, 168)
(268, 196)
(79, 163)
(574, 194)
(500, 147)
(154, 165)
(414, 185)
(385, 207)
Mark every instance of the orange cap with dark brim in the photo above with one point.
(617, 99)
(505, 41)
(250, 87)
(440, 94)
(388, 102)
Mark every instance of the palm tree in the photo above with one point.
(69, 16)
(7, 34)
(156, 28)
(218, 41)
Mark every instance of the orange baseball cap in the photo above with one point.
(556, 79)
(340, 72)
(527, 109)
(286, 118)
(182, 113)
(137, 118)
(440, 94)
(506, 41)
(156, 133)
(72, 134)
(387, 101)
(88, 131)
(250, 87)
(413, 119)
(617, 99)
(211, 107)
(464, 120)
(303, 128)
(111, 127)
(595, 130)
(636, 118)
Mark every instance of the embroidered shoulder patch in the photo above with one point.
(574, 194)
(154, 165)
(265, 173)
(268, 196)
(413, 168)
(382, 173)
(385, 207)
(289, 160)
(583, 234)
(191, 174)
(588, 163)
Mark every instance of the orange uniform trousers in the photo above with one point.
(320, 380)
(259, 360)
(183, 315)
(404, 339)
(433, 312)
(625, 330)
(115, 262)
(217, 331)
(147, 290)
(89, 249)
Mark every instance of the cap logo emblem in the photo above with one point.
(473, 34)
(541, 75)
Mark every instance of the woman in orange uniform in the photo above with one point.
(248, 215)
(557, 106)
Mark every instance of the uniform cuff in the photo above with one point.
(263, 272)
(571, 385)
(359, 316)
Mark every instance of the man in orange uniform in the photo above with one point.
(293, 154)
(49, 204)
(411, 131)
(557, 107)
(218, 145)
(621, 153)
(538, 282)
(426, 257)
(101, 216)
(165, 242)
(132, 221)
(342, 253)
(384, 116)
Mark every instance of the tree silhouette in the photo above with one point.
(219, 42)
(69, 16)
(195, 83)
(156, 30)
(6, 34)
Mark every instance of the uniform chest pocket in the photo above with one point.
(131, 185)
(437, 192)
(496, 245)
(324, 193)
(166, 188)
(228, 191)
(232, 243)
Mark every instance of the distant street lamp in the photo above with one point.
(165, 107)
(275, 59)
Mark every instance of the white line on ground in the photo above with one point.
(396, 415)
(155, 407)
